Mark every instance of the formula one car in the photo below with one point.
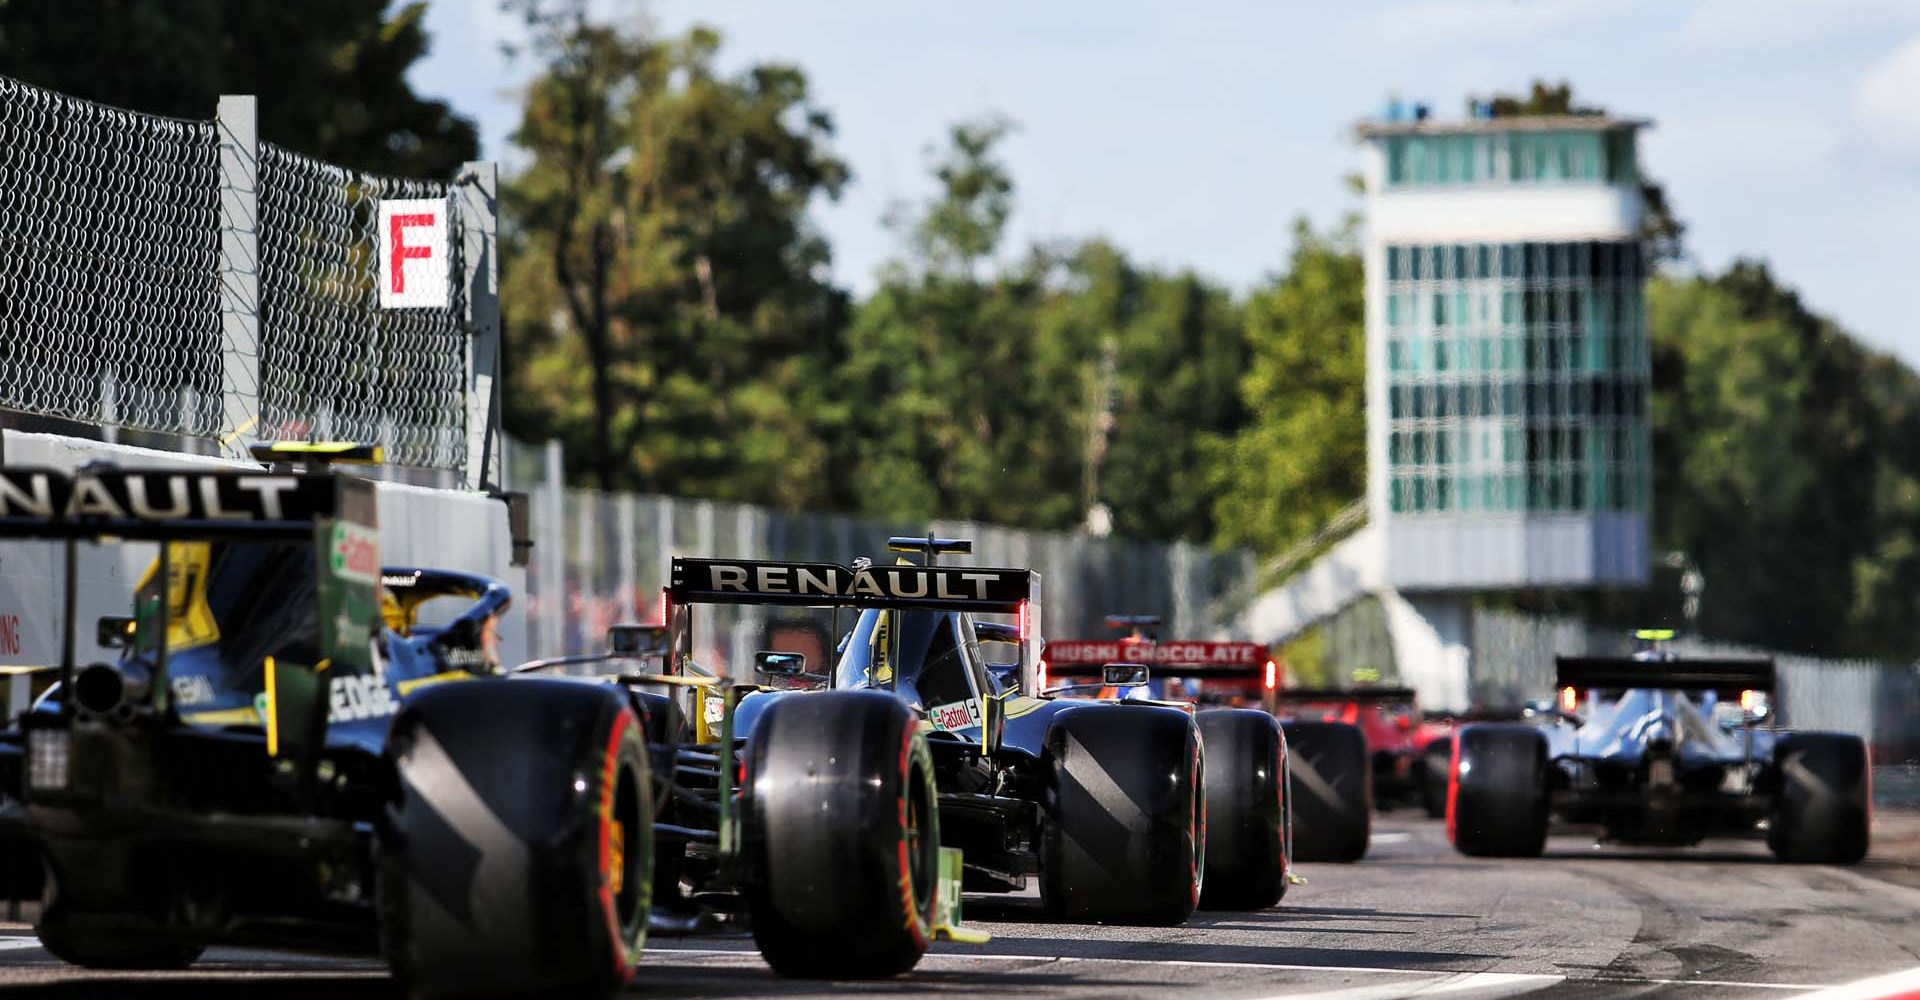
(1103, 802)
(1659, 749)
(1248, 794)
(280, 757)
(1389, 721)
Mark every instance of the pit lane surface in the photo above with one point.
(1414, 919)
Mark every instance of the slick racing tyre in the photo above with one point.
(1432, 772)
(1332, 778)
(1821, 802)
(1125, 833)
(841, 835)
(1497, 791)
(1246, 793)
(516, 857)
(113, 947)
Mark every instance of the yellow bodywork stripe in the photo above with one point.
(407, 687)
(223, 717)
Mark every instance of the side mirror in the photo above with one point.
(1123, 674)
(776, 664)
(638, 640)
(114, 631)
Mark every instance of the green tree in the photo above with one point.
(1028, 394)
(1302, 456)
(331, 78)
(666, 312)
(1786, 457)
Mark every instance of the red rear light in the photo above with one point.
(1273, 675)
(1569, 699)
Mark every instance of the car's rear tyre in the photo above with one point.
(1821, 800)
(841, 836)
(516, 858)
(1497, 791)
(1246, 784)
(1332, 791)
(122, 949)
(1436, 764)
(1125, 835)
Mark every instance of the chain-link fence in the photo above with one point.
(109, 264)
(333, 365)
(182, 278)
(601, 558)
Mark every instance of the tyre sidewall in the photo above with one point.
(1246, 828)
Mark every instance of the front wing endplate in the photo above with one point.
(946, 923)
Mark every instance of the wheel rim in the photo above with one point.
(921, 850)
(624, 882)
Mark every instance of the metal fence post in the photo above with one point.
(478, 193)
(555, 605)
(236, 119)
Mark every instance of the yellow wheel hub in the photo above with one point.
(616, 857)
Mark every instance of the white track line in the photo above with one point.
(18, 943)
(1903, 985)
(1460, 986)
(1391, 838)
(1281, 967)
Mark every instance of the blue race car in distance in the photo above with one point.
(1665, 750)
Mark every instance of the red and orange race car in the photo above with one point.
(1397, 738)
(1329, 802)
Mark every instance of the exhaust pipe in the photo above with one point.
(103, 689)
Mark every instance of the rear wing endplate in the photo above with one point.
(798, 584)
(1728, 677)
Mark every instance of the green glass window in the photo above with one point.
(1516, 379)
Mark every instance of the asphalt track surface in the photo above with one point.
(1413, 919)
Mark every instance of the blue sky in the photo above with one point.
(1194, 133)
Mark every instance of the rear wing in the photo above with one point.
(821, 585)
(158, 504)
(1089, 657)
(1346, 694)
(1727, 677)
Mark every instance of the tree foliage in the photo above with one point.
(331, 78)
(1302, 455)
(1787, 465)
(667, 311)
(1070, 378)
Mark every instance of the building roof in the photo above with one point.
(1516, 123)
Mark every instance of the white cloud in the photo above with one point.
(1888, 99)
(1763, 24)
(1442, 23)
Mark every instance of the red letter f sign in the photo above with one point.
(413, 254)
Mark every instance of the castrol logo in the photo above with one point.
(959, 715)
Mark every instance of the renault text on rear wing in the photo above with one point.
(1086, 657)
(1728, 677)
(749, 581)
(132, 503)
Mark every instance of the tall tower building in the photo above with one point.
(1507, 361)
